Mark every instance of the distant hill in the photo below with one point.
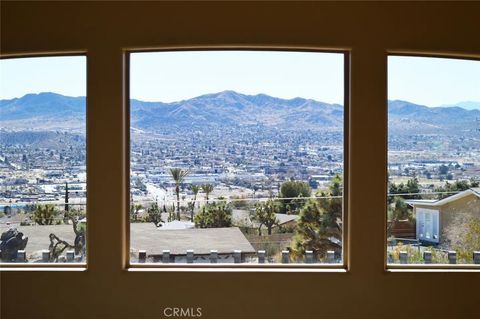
(41, 139)
(52, 111)
(408, 117)
(49, 111)
(467, 105)
(232, 108)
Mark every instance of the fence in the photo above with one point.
(236, 257)
(427, 257)
(69, 257)
(402, 229)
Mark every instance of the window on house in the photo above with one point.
(42, 160)
(236, 157)
(433, 161)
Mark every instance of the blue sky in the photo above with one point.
(63, 75)
(433, 81)
(173, 76)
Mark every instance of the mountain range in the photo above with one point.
(468, 105)
(51, 111)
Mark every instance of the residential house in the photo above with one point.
(433, 216)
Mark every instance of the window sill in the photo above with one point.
(43, 267)
(433, 268)
(299, 268)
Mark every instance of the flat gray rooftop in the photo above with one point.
(38, 236)
(145, 236)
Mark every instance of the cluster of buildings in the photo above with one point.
(249, 157)
(435, 158)
(240, 162)
(30, 174)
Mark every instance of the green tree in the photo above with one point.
(134, 210)
(457, 186)
(171, 213)
(155, 214)
(413, 186)
(410, 190)
(195, 190)
(214, 215)
(474, 183)
(398, 210)
(320, 226)
(265, 215)
(45, 214)
(207, 189)
(443, 169)
(178, 176)
(291, 193)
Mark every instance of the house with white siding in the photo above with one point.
(433, 216)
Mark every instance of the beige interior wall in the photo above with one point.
(369, 30)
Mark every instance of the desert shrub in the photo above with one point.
(463, 236)
(214, 215)
(414, 255)
(45, 214)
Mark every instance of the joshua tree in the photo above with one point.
(178, 176)
(134, 210)
(155, 214)
(265, 215)
(45, 214)
(207, 188)
(57, 245)
(195, 189)
(214, 215)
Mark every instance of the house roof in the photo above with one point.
(176, 224)
(38, 236)
(145, 236)
(440, 202)
(243, 217)
(285, 218)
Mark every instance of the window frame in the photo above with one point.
(54, 266)
(395, 268)
(342, 267)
